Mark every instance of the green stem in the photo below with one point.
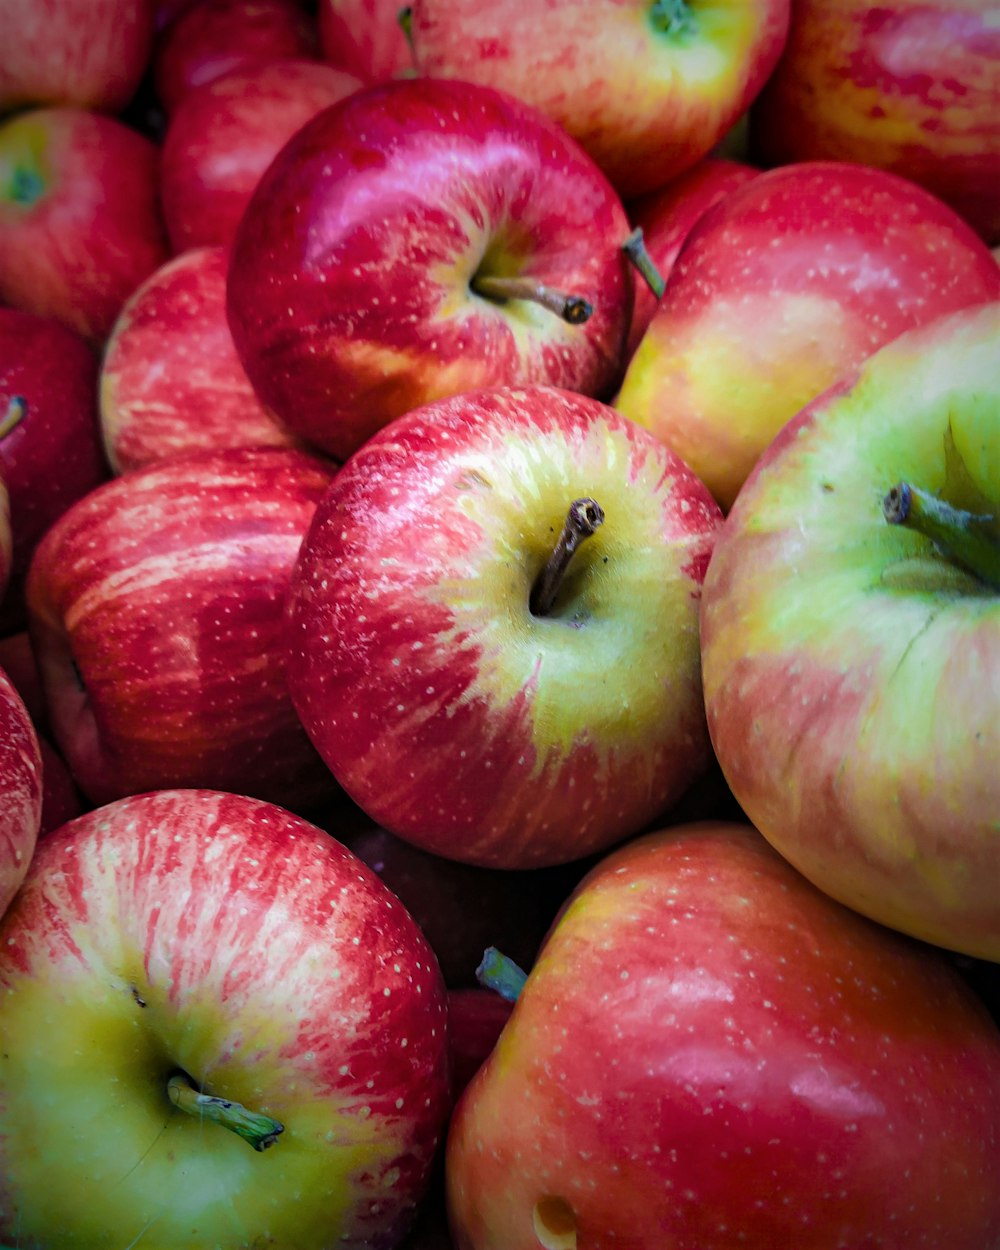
(584, 517)
(573, 309)
(672, 17)
(969, 539)
(498, 972)
(635, 249)
(17, 410)
(259, 1130)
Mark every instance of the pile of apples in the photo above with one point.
(499, 625)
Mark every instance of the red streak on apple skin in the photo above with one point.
(167, 588)
(348, 287)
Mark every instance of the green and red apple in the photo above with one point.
(851, 653)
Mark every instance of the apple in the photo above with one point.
(666, 217)
(648, 88)
(461, 908)
(50, 442)
(476, 1018)
(365, 37)
(80, 223)
(711, 1053)
(214, 37)
(20, 790)
(86, 53)
(851, 665)
(491, 671)
(6, 538)
(224, 134)
(420, 239)
(17, 659)
(903, 86)
(156, 609)
(782, 288)
(170, 379)
(184, 963)
(61, 800)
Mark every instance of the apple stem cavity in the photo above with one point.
(17, 410)
(635, 249)
(970, 539)
(585, 516)
(573, 309)
(258, 1129)
(498, 972)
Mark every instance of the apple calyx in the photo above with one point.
(573, 309)
(17, 410)
(635, 249)
(583, 518)
(254, 1127)
(498, 972)
(970, 539)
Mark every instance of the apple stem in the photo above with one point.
(500, 973)
(573, 309)
(635, 249)
(584, 517)
(17, 410)
(970, 539)
(672, 17)
(259, 1130)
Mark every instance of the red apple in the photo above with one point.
(666, 217)
(476, 1018)
(905, 86)
(80, 223)
(648, 88)
(365, 37)
(851, 667)
(50, 441)
(393, 252)
(788, 284)
(170, 379)
(187, 962)
(214, 37)
(156, 607)
(61, 800)
(711, 1053)
(17, 659)
(223, 135)
(86, 53)
(20, 790)
(6, 539)
(472, 692)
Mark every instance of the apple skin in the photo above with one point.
(850, 671)
(6, 538)
(786, 285)
(156, 611)
(667, 217)
(349, 283)
(904, 86)
(52, 455)
(170, 379)
(80, 223)
(214, 37)
(450, 713)
(711, 1053)
(86, 53)
(365, 37)
(224, 134)
(224, 937)
(61, 800)
(20, 790)
(646, 104)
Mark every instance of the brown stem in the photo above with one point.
(970, 540)
(584, 517)
(571, 308)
